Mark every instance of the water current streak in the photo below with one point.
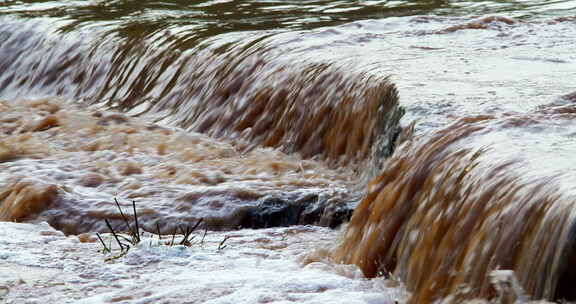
(241, 91)
(442, 216)
(290, 138)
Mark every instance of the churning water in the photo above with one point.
(446, 127)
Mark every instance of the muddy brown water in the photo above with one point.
(442, 214)
(259, 113)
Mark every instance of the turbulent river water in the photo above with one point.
(443, 130)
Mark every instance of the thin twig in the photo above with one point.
(203, 236)
(106, 249)
(133, 237)
(182, 229)
(123, 253)
(136, 222)
(125, 221)
(122, 214)
(197, 224)
(114, 234)
(125, 238)
(185, 241)
(173, 236)
(221, 245)
(158, 228)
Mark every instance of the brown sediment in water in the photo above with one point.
(244, 91)
(26, 198)
(316, 111)
(65, 165)
(442, 215)
(286, 144)
(481, 23)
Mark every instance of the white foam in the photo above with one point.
(256, 266)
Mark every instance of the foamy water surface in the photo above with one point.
(260, 114)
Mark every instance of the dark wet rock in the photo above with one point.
(277, 212)
(565, 291)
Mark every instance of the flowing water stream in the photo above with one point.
(445, 126)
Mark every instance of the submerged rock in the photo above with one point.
(310, 209)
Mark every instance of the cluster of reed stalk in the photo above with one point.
(132, 236)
